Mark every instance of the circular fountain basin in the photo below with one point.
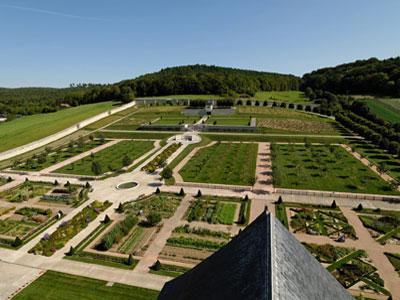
(127, 185)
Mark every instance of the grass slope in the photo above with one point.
(387, 109)
(58, 286)
(284, 96)
(31, 128)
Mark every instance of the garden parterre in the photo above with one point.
(223, 163)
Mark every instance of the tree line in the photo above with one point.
(365, 77)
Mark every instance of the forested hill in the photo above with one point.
(203, 79)
(364, 77)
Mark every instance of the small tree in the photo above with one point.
(198, 194)
(120, 208)
(87, 185)
(71, 251)
(181, 192)
(91, 137)
(67, 184)
(280, 200)
(9, 179)
(126, 161)
(166, 173)
(130, 260)
(55, 182)
(246, 198)
(156, 266)
(17, 242)
(333, 205)
(106, 219)
(96, 168)
(359, 207)
(153, 219)
(158, 190)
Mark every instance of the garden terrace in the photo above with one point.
(112, 158)
(149, 115)
(24, 224)
(164, 204)
(234, 120)
(176, 120)
(386, 109)
(383, 225)
(25, 191)
(54, 285)
(282, 96)
(289, 121)
(219, 210)
(381, 158)
(324, 167)
(49, 244)
(223, 163)
(319, 220)
(51, 157)
(160, 160)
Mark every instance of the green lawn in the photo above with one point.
(31, 128)
(177, 120)
(234, 120)
(284, 96)
(327, 168)
(184, 97)
(110, 159)
(225, 163)
(59, 286)
(387, 109)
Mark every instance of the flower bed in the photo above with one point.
(68, 229)
(160, 159)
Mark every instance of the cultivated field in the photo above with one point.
(31, 128)
(225, 163)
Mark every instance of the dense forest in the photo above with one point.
(195, 79)
(362, 77)
(202, 79)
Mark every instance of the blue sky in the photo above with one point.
(55, 43)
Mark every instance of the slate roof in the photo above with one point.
(263, 262)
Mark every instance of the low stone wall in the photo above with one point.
(236, 188)
(355, 196)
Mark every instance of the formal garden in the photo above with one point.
(315, 219)
(193, 244)
(352, 268)
(219, 210)
(24, 224)
(394, 259)
(110, 159)
(223, 163)
(324, 167)
(383, 225)
(51, 157)
(68, 194)
(53, 285)
(25, 191)
(50, 243)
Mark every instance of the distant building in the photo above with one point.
(263, 262)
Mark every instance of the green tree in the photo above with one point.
(96, 168)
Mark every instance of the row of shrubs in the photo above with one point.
(120, 230)
(201, 231)
(194, 243)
